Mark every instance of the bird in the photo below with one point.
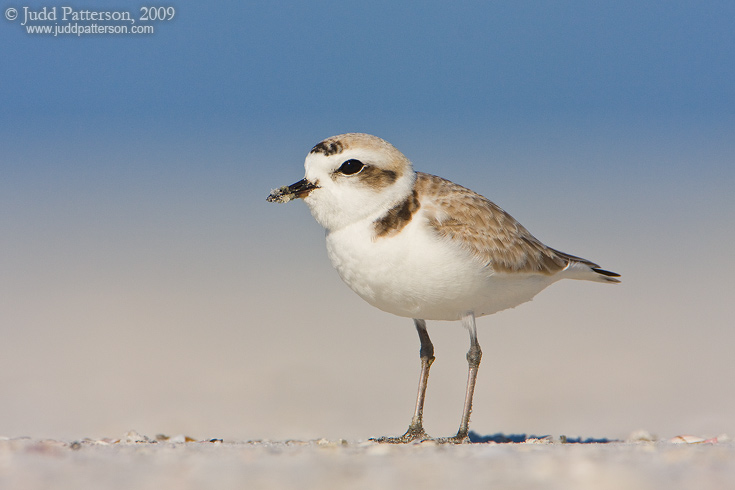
(422, 247)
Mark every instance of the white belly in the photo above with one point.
(418, 275)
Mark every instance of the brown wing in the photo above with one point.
(487, 231)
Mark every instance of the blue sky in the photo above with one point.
(478, 62)
(240, 77)
(133, 213)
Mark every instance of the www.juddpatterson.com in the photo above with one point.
(102, 21)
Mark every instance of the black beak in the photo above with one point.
(299, 190)
(302, 188)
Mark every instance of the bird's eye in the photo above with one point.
(351, 167)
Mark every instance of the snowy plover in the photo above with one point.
(420, 246)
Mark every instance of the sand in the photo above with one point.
(140, 462)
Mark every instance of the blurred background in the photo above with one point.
(146, 284)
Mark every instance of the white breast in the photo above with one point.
(417, 274)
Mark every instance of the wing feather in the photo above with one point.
(484, 229)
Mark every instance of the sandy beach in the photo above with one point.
(136, 461)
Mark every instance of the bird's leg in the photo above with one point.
(474, 355)
(416, 429)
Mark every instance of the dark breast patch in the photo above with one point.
(397, 217)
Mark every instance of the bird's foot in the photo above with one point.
(414, 433)
(458, 439)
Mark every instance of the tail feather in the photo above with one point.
(584, 266)
(608, 276)
(605, 273)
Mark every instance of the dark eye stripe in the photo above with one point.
(351, 167)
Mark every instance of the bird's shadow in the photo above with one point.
(518, 438)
